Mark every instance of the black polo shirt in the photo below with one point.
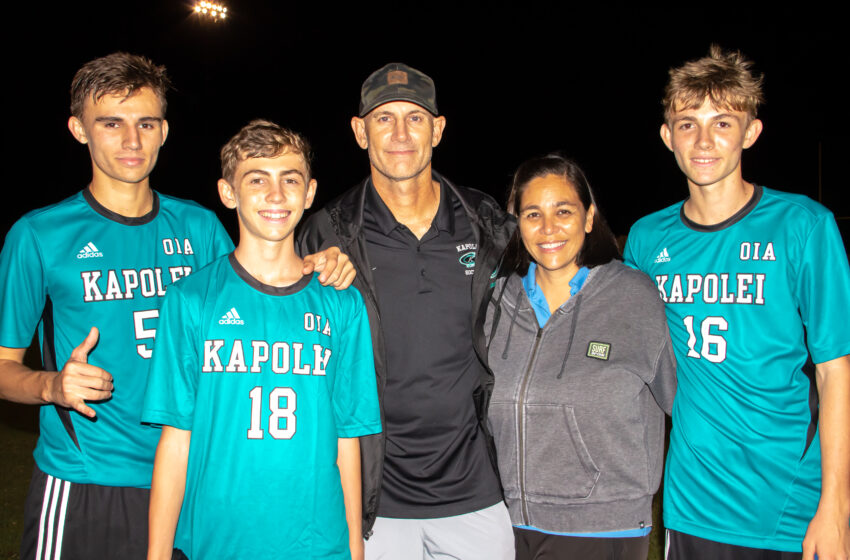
(436, 458)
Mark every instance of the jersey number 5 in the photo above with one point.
(713, 345)
(286, 413)
(143, 333)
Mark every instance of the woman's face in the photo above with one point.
(553, 224)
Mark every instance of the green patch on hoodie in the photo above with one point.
(598, 350)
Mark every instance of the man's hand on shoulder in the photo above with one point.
(79, 381)
(334, 268)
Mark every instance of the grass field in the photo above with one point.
(18, 431)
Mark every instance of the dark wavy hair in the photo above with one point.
(117, 74)
(600, 245)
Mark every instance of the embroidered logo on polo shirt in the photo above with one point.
(467, 259)
(598, 350)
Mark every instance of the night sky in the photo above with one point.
(514, 79)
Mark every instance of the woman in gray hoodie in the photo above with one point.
(584, 373)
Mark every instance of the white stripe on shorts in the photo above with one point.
(66, 490)
(55, 494)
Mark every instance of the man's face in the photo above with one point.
(269, 195)
(400, 137)
(123, 134)
(708, 142)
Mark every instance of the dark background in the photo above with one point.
(514, 79)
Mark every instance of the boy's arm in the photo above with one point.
(23, 294)
(828, 535)
(348, 461)
(77, 383)
(167, 489)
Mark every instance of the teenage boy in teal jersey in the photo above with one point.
(262, 381)
(90, 273)
(756, 282)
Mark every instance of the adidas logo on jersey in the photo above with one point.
(231, 318)
(89, 252)
(663, 256)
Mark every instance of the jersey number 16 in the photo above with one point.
(713, 345)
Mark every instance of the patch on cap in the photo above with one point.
(397, 77)
(397, 82)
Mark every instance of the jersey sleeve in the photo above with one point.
(355, 393)
(823, 291)
(220, 242)
(629, 256)
(172, 380)
(23, 286)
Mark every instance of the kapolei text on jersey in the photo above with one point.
(283, 357)
(740, 288)
(127, 283)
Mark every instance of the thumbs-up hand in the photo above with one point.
(80, 381)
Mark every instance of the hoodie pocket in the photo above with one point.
(558, 466)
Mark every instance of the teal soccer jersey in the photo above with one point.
(76, 265)
(266, 379)
(747, 301)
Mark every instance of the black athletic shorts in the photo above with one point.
(68, 521)
(681, 546)
(532, 545)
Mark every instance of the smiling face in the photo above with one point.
(553, 224)
(270, 195)
(400, 137)
(123, 135)
(708, 142)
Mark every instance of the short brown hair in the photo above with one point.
(118, 73)
(724, 77)
(262, 139)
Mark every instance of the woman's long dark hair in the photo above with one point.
(600, 245)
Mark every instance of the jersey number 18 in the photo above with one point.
(279, 414)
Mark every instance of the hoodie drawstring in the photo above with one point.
(510, 330)
(572, 333)
(497, 313)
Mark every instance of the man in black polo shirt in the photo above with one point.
(426, 254)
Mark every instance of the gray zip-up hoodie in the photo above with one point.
(578, 406)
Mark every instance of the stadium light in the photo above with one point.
(212, 10)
